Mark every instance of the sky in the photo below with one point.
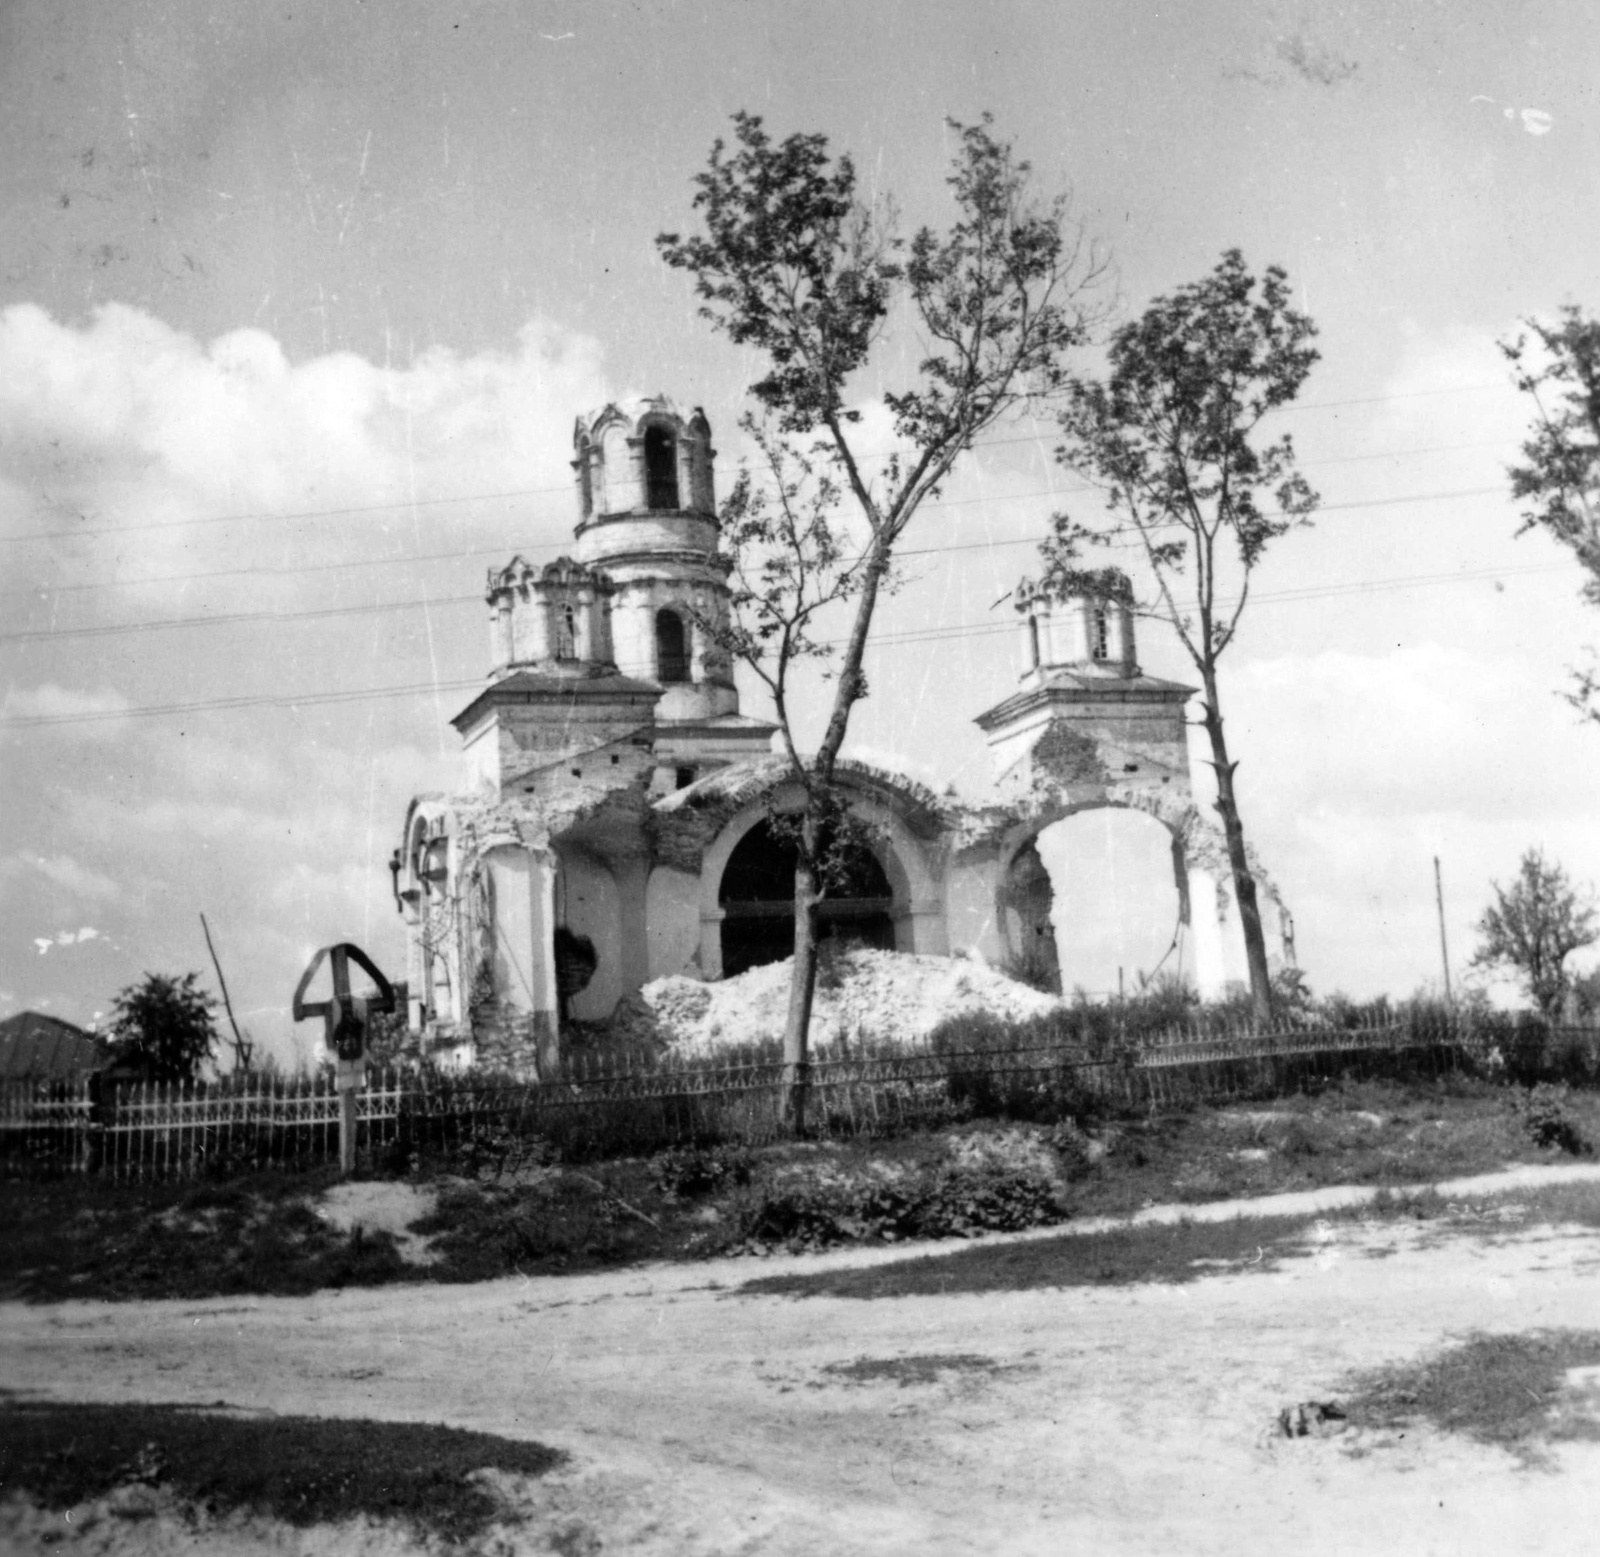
(298, 305)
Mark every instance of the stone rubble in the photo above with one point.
(862, 995)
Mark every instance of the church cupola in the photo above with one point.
(554, 619)
(1086, 717)
(1086, 628)
(647, 520)
(643, 457)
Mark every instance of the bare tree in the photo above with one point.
(794, 265)
(1171, 435)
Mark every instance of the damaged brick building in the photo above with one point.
(615, 822)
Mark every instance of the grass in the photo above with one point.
(71, 1238)
(263, 1235)
(1507, 1390)
(303, 1470)
(919, 1368)
(1177, 1252)
(1180, 1252)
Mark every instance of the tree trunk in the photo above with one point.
(802, 987)
(803, 981)
(1244, 884)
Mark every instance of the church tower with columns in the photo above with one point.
(1086, 715)
(612, 653)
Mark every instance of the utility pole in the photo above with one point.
(241, 1048)
(1444, 945)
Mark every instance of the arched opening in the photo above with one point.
(566, 633)
(660, 468)
(585, 479)
(1112, 903)
(672, 647)
(1099, 631)
(757, 901)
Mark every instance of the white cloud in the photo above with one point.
(74, 878)
(93, 714)
(127, 425)
(45, 943)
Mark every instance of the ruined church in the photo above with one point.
(615, 820)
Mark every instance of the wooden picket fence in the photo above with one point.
(610, 1104)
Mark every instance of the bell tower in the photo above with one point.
(647, 524)
(1087, 718)
(647, 518)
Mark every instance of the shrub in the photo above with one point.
(1545, 1119)
(691, 1171)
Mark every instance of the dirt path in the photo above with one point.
(700, 1420)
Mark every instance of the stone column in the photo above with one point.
(637, 489)
(1205, 926)
(524, 947)
(711, 943)
(500, 631)
(583, 626)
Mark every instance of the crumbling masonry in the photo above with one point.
(615, 823)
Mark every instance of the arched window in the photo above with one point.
(1099, 633)
(585, 479)
(672, 647)
(660, 468)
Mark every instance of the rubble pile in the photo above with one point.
(862, 995)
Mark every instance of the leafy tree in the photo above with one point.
(1559, 481)
(164, 1027)
(793, 266)
(1533, 926)
(1172, 435)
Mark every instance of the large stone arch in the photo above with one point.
(916, 910)
(1035, 911)
(1200, 869)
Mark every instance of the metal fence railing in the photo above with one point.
(633, 1103)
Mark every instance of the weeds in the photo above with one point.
(1508, 1390)
(1543, 1111)
(1180, 1252)
(303, 1470)
(88, 1239)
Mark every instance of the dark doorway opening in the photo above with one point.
(757, 900)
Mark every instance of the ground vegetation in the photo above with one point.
(303, 1470)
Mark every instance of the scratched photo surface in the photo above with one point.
(326, 329)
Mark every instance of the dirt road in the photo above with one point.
(700, 1420)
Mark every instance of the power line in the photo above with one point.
(553, 548)
(240, 618)
(409, 503)
(906, 638)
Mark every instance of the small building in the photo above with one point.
(621, 818)
(36, 1047)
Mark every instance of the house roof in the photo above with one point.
(37, 1046)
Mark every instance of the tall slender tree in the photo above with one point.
(1173, 437)
(793, 265)
(1558, 367)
